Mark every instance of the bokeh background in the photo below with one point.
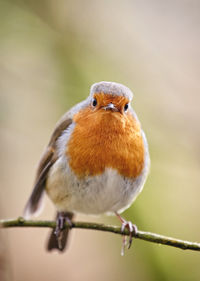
(50, 54)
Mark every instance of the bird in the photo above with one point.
(96, 162)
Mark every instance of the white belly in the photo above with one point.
(105, 193)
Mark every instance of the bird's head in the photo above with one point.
(110, 97)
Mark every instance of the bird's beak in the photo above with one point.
(111, 107)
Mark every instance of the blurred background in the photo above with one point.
(50, 54)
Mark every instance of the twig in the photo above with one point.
(148, 236)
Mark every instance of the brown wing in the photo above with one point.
(47, 160)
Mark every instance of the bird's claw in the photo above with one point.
(133, 231)
(60, 225)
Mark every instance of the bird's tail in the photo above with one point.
(59, 235)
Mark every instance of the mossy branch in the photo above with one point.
(148, 236)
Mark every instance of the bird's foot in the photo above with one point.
(61, 219)
(132, 230)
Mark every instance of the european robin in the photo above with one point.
(96, 162)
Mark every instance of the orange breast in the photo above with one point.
(103, 139)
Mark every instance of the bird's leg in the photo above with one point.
(132, 229)
(61, 219)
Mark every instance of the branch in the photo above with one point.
(148, 236)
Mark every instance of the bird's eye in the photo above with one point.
(126, 107)
(94, 102)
